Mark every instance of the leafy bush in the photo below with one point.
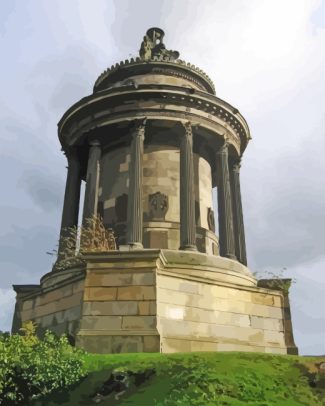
(30, 367)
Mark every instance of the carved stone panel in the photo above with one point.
(211, 221)
(158, 206)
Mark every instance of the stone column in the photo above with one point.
(92, 181)
(135, 205)
(187, 198)
(239, 231)
(70, 210)
(226, 228)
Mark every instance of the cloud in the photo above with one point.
(307, 304)
(23, 250)
(283, 206)
(44, 189)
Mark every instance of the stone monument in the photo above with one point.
(150, 143)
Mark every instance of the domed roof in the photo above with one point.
(154, 59)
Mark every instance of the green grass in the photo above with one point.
(187, 379)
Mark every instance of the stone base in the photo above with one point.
(159, 301)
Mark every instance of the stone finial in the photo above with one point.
(153, 46)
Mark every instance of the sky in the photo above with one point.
(266, 58)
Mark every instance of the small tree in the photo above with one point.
(31, 368)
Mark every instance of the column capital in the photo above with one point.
(188, 127)
(72, 155)
(94, 143)
(223, 149)
(236, 164)
(139, 127)
(187, 124)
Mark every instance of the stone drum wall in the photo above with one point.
(161, 197)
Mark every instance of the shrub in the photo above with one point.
(30, 367)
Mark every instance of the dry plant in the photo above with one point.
(75, 242)
(95, 237)
(276, 280)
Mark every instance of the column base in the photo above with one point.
(135, 246)
(231, 256)
(188, 248)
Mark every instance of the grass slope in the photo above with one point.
(187, 379)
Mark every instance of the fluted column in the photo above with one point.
(187, 198)
(71, 203)
(135, 205)
(239, 231)
(92, 181)
(226, 228)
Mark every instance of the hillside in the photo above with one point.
(232, 379)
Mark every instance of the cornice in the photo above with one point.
(164, 96)
(165, 65)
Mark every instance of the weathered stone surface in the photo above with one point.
(204, 315)
(274, 338)
(192, 311)
(28, 305)
(110, 308)
(136, 293)
(139, 322)
(127, 344)
(156, 239)
(147, 308)
(151, 344)
(147, 278)
(109, 279)
(275, 350)
(171, 345)
(266, 299)
(101, 322)
(74, 313)
(100, 293)
(95, 344)
(52, 307)
(266, 323)
(51, 296)
(188, 287)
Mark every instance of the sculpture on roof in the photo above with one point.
(153, 46)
